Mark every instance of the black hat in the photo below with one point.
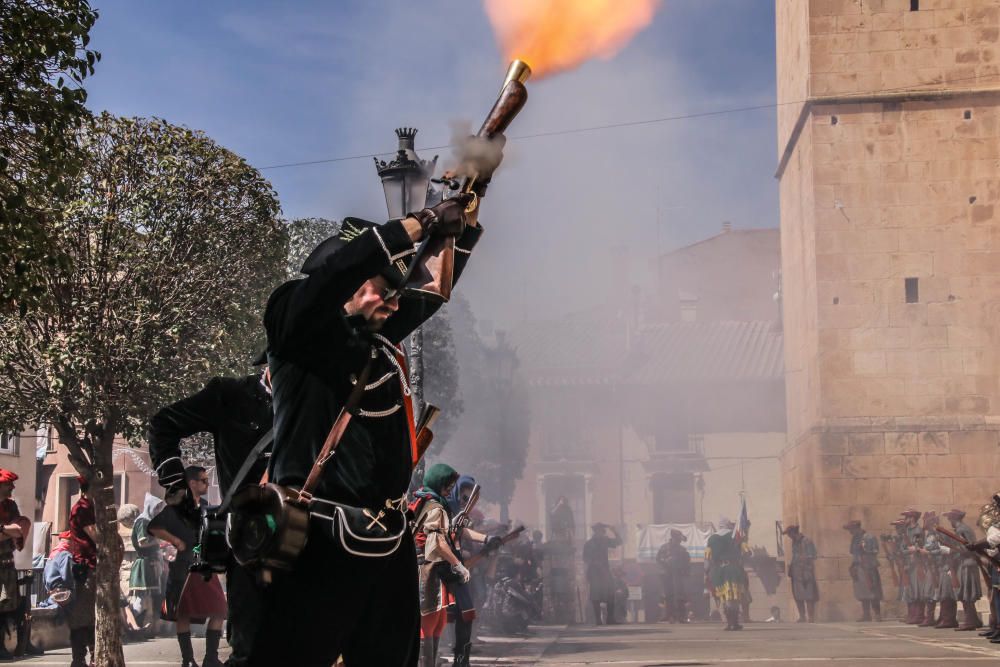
(260, 359)
(350, 229)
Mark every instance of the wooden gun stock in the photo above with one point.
(424, 433)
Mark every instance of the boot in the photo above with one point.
(427, 656)
(912, 615)
(918, 612)
(801, 606)
(929, 621)
(212, 638)
(78, 647)
(811, 611)
(187, 651)
(877, 611)
(736, 619)
(610, 619)
(949, 615)
(970, 617)
(866, 612)
(463, 642)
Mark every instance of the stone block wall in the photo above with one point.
(873, 469)
(907, 191)
(871, 45)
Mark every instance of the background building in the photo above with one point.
(888, 146)
(664, 406)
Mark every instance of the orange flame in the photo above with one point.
(557, 35)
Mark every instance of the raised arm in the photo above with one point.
(195, 414)
(412, 311)
(300, 308)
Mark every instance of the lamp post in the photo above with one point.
(505, 360)
(405, 180)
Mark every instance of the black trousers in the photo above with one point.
(333, 603)
(245, 609)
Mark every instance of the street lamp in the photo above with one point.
(505, 357)
(405, 179)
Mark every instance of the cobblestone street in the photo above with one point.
(785, 645)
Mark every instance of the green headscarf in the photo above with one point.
(438, 476)
(435, 479)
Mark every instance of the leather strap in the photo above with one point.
(244, 470)
(337, 430)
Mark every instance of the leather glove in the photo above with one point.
(446, 218)
(493, 543)
(480, 157)
(462, 572)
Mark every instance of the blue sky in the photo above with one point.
(287, 82)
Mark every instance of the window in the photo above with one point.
(912, 291)
(8, 443)
(914, 5)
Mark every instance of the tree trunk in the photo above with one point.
(110, 551)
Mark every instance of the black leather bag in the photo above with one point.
(363, 532)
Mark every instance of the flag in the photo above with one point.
(742, 531)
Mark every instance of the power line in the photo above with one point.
(609, 126)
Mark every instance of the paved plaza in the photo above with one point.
(784, 645)
(760, 644)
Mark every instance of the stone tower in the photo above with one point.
(889, 168)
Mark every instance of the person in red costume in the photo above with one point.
(70, 579)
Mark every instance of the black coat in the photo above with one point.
(315, 351)
(236, 411)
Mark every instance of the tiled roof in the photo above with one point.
(597, 350)
(707, 351)
(580, 349)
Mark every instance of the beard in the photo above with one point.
(378, 318)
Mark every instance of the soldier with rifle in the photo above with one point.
(675, 561)
(928, 553)
(918, 581)
(969, 588)
(989, 521)
(892, 550)
(462, 610)
(802, 572)
(946, 576)
(864, 571)
(440, 567)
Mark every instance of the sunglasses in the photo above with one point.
(390, 293)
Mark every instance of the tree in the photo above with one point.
(175, 245)
(441, 370)
(304, 234)
(43, 62)
(491, 439)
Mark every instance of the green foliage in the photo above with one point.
(175, 245)
(43, 62)
(441, 368)
(304, 234)
(490, 439)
